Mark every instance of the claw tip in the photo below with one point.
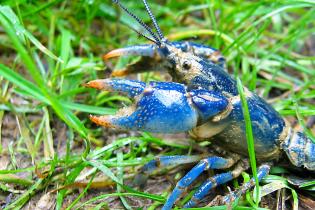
(111, 54)
(119, 73)
(106, 56)
(101, 120)
(97, 84)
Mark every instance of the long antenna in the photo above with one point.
(141, 34)
(157, 27)
(156, 39)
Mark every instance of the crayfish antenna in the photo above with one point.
(157, 27)
(145, 26)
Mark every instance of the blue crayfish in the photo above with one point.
(203, 100)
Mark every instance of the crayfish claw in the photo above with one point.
(159, 107)
(151, 59)
(141, 50)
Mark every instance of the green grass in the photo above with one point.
(249, 137)
(50, 48)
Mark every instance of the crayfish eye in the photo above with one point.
(186, 65)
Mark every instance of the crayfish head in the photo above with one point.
(197, 72)
(183, 66)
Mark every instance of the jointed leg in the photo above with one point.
(162, 162)
(205, 164)
(214, 181)
(262, 172)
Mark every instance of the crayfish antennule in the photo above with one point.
(102, 120)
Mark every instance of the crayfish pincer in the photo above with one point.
(202, 100)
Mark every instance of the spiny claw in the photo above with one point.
(150, 50)
(153, 57)
(141, 50)
(160, 107)
(150, 60)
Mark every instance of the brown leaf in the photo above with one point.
(306, 202)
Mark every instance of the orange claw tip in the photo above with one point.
(119, 73)
(97, 84)
(112, 54)
(101, 120)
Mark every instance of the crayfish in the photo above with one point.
(202, 99)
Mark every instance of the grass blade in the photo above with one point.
(20, 30)
(249, 136)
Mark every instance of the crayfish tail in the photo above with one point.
(300, 150)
